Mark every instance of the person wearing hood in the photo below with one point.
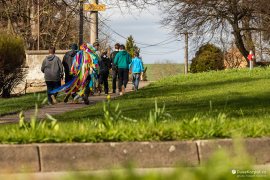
(137, 69)
(122, 61)
(67, 63)
(53, 73)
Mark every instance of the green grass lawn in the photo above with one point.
(202, 106)
(17, 104)
(158, 71)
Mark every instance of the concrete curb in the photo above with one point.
(97, 156)
(258, 149)
(19, 158)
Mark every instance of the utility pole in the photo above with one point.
(261, 49)
(38, 9)
(81, 23)
(94, 24)
(186, 33)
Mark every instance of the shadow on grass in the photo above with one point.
(235, 103)
(237, 106)
(159, 89)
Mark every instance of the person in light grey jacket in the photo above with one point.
(53, 73)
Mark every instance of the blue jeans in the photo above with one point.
(136, 80)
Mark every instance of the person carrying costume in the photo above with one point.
(67, 63)
(137, 69)
(68, 60)
(122, 61)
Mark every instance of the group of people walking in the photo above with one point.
(85, 67)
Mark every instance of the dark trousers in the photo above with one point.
(114, 78)
(51, 85)
(103, 79)
(87, 91)
(68, 78)
(87, 88)
(122, 78)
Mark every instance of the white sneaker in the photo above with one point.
(121, 93)
(53, 99)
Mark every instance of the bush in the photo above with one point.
(12, 60)
(209, 57)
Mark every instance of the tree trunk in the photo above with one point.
(247, 36)
(240, 43)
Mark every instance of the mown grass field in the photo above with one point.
(158, 71)
(201, 106)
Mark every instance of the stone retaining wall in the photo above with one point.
(94, 156)
(34, 80)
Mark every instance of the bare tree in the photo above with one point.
(58, 21)
(209, 17)
(240, 19)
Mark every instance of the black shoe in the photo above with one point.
(86, 100)
(66, 99)
(114, 91)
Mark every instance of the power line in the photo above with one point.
(161, 53)
(161, 43)
(164, 42)
(137, 42)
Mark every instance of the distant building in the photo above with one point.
(234, 59)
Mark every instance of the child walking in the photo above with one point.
(137, 69)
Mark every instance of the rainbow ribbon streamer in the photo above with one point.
(84, 69)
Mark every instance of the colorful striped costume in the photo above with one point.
(84, 69)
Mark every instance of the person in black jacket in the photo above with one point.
(114, 68)
(104, 67)
(67, 63)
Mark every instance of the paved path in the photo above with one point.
(63, 107)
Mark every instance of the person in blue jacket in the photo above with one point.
(137, 70)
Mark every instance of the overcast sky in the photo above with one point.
(146, 29)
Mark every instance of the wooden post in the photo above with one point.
(94, 24)
(38, 9)
(81, 23)
(186, 50)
